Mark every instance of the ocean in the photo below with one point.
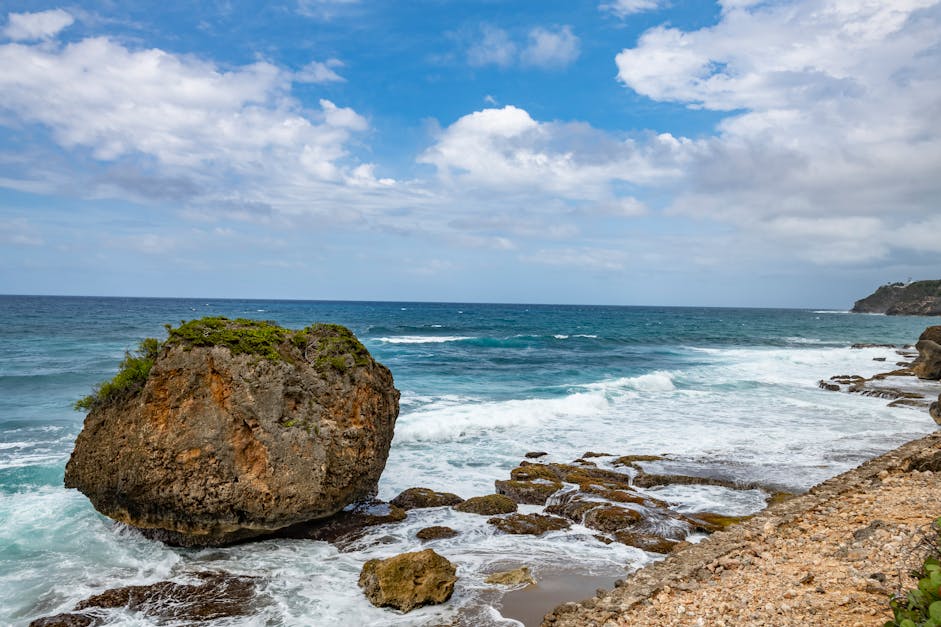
(729, 391)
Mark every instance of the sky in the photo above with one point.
(778, 153)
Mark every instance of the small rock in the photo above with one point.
(419, 498)
(435, 533)
(513, 577)
(533, 524)
(409, 580)
(489, 505)
(535, 454)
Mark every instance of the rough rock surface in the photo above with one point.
(346, 527)
(830, 557)
(221, 442)
(217, 595)
(920, 298)
(436, 532)
(529, 524)
(418, 498)
(489, 505)
(928, 364)
(409, 580)
(935, 410)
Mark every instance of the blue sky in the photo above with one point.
(741, 153)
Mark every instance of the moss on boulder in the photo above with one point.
(529, 524)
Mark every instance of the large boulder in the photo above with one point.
(409, 580)
(231, 429)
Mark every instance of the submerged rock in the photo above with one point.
(489, 505)
(418, 498)
(232, 429)
(514, 577)
(217, 595)
(409, 580)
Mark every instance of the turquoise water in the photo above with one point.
(731, 389)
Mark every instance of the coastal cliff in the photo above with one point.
(920, 298)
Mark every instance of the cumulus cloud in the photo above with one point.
(506, 149)
(544, 48)
(623, 8)
(41, 25)
(320, 72)
(832, 138)
(182, 119)
(324, 9)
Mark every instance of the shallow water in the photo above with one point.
(731, 391)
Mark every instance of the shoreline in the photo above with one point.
(833, 554)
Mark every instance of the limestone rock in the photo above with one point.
(234, 429)
(489, 505)
(514, 577)
(928, 364)
(418, 498)
(935, 410)
(409, 580)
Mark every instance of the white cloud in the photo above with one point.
(179, 118)
(623, 8)
(544, 48)
(832, 148)
(507, 150)
(551, 49)
(320, 72)
(41, 25)
(587, 257)
(493, 48)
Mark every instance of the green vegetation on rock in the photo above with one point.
(135, 367)
(921, 607)
(241, 336)
(322, 345)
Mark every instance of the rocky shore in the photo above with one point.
(829, 557)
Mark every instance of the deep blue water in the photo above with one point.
(481, 385)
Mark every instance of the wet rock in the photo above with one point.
(515, 577)
(935, 410)
(489, 505)
(630, 460)
(535, 454)
(830, 387)
(646, 541)
(346, 527)
(710, 521)
(932, 333)
(435, 533)
(612, 518)
(216, 595)
(409, 580)
(531, 524)
(535, 492)
(65, 620)
(419, 498)
(236, 429)
(590, 454)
